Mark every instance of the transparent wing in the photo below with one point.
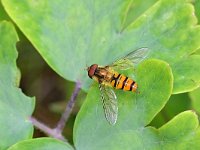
(131, 59)
(109, 101)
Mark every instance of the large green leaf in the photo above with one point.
(72, 34)
(41, 144)
(154, 77)
(15, 107)
(92, 131)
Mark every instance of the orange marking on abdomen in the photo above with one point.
(120, 81)
(130, 85)
(127, 85)
(134, 87)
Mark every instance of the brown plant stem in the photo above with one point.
(65, 116)
(57, 131)
(48, 131)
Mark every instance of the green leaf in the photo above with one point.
(41, 144)
(133, 9)
(195, 97)
(182, 132)
(15, 107)
(72, 34)
(170, 110)
(154, 78)
(197, 10)
(190, 65)
(3, 14)
(92, 131)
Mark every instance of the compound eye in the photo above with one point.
(91, 70)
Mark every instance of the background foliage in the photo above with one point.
(69, 35)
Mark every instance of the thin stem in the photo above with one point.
(65, 116)
(57, 132)
(46, 129)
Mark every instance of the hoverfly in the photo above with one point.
(107, 78)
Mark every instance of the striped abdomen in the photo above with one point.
(119, 81)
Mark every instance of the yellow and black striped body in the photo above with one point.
(120, 81)
(105, 75)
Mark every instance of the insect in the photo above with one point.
(108, 79)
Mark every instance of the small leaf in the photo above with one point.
(15, 107)
(41, 144)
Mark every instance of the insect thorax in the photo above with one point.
(103, 74)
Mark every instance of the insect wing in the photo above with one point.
(109, 101)
(131, 59)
